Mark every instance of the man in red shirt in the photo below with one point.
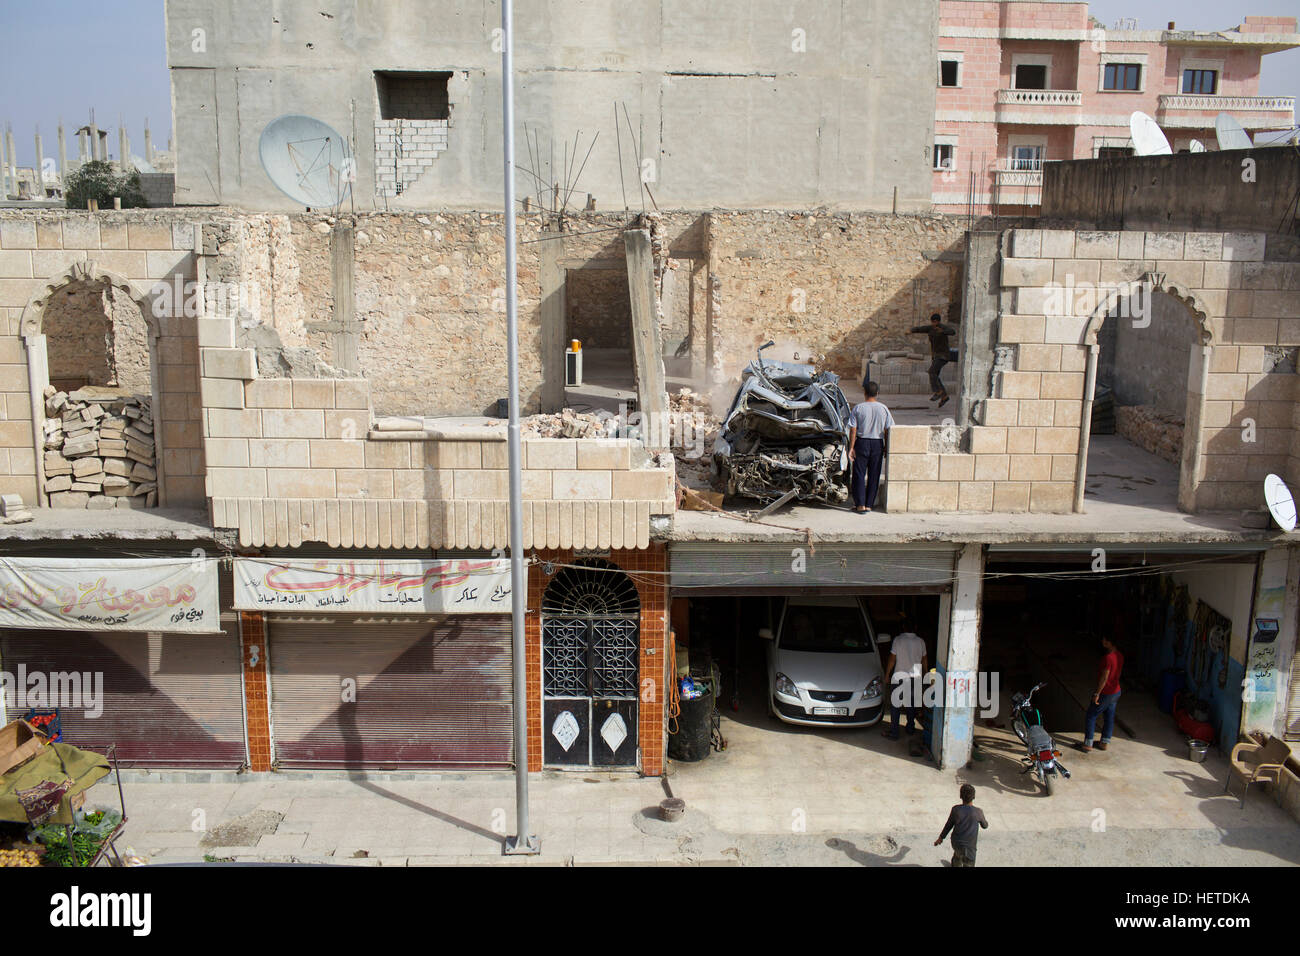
(1105, 698)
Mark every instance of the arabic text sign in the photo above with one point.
(456, 586)
(176, 595)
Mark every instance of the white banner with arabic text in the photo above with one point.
(373, 586)
(175, 595)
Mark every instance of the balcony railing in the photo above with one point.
(1039, 98)
(1228, 104)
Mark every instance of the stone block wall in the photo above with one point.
(1022, 453)
(294, 460)
(131, 251)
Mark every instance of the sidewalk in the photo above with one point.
(778, 795)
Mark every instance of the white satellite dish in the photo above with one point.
(1196, 146)
(307, 160)
(1280, 503)
(1230, 133)
(1148, 140)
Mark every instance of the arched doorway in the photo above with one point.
(92, 360)
(1148, 356)
(591, 616)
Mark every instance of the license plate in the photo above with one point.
(830, 711)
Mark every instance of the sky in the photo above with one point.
(111, 58)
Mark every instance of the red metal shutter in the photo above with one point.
(433, 693)
(169, 700)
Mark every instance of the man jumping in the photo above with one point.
(941, 354)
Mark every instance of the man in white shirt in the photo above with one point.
(868, 446)
(908, 660)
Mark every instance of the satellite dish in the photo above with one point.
(306, 160)
(1148, 140)
(142, 165)
(1230, 133)
(1197, 146)
(1280, 503)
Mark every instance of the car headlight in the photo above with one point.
(873, 689)
(785, 685)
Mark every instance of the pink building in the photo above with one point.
(1024, 82)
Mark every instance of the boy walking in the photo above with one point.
(965, 822)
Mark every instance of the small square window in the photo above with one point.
(1201, 82)
(1031, 76)
(948, 73)
(1125, 77)
(945, 156)
(413, 96)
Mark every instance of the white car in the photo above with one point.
(823, 664)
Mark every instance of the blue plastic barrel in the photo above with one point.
(1171, 682)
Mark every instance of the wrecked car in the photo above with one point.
(787, 431)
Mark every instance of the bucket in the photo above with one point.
(1196, 750)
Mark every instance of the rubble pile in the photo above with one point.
(695, 429)
(568, 424)
(99, 449)
(1147, 427)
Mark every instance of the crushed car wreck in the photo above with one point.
(787, 431)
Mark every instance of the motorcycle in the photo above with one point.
(1041, 756)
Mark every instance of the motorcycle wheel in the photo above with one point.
(1049, 783)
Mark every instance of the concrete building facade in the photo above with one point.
(681, 105)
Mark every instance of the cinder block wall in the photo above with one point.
(294, 460)
(37, 252)
(1022, 455)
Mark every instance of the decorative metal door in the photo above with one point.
(590, 640)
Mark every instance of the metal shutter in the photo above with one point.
(169, 700)
(433, 694)
(773, 569)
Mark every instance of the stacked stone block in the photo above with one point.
(99, 450)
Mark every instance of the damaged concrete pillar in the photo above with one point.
(647, 351)
(958, 659)
(346, 346)
(550, 274)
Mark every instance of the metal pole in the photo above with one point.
(523, 842)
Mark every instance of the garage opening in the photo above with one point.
(799, 667)
(1180, 623)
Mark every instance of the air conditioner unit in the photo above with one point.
(573, 365)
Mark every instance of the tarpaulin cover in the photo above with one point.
(56, 763)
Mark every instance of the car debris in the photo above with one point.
(787, 431)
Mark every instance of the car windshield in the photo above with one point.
(825, 629)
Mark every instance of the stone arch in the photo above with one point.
(33, 318)
(31, 329)
(1198, 368)
(1205, 330)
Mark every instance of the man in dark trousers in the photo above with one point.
(868, 446)
(941, 354)
(1104, 698)
(965, 821)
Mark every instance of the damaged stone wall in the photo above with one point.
(429, 301)
(829, 287)
(96, 336)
